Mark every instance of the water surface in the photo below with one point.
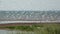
(15, 32)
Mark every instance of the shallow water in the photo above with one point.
(5, 22)
(15, 32)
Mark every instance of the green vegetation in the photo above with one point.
(38, 28)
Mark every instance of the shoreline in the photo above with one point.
(28, 27)
(5, 22)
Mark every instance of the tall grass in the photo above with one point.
(38, 28)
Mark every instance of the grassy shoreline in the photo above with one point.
(41, 28)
